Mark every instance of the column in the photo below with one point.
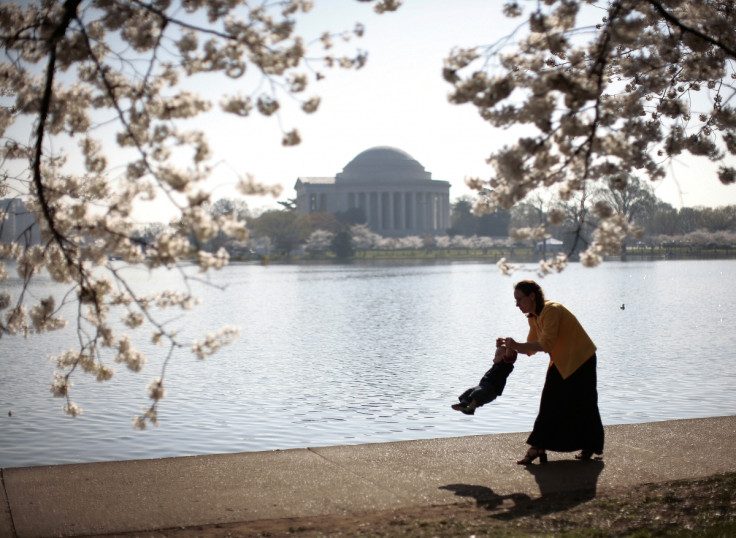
(446, 211)
(391, 212)
(429, 212)
(411, 208)
(400, 215)
(421, 203)
(386, 210)
(375, 217)
(379, 212)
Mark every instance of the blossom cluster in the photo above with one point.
(214, 341)
(98, 116)
(365, 239)
(650, 82)
(608, 238)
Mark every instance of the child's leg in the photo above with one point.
(474, 398)
(483, 394)
(466, 401)
(465, 397)
(486, 391)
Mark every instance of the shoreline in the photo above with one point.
(318, 446)
(186, 492)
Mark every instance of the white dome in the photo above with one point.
(383, 163)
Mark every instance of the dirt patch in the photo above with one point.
(705, 507)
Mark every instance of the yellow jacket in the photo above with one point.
(560, 334)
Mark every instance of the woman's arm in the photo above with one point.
(526, 348)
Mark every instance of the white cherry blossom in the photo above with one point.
(97, 116)
(605, 90)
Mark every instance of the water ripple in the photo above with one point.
(332, 355)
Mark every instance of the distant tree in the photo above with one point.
(569, 221)
(495, 224)
(148, 234)
(386, 243)
(662, 221)
(720, 218)
(223, 211)
(484, 243)
(235, 207)
(319, 241)
(428, 241)
(529, 222)
(342, 245)
(532, 213)
(724, 239)
(630, 199)
(411, 242)
(630, 196)
(462, 218)
(442, 242)
(465, 222)
(689, 220)
(602, 89)
(363, 238)
(699, 240)
(461, 242)
(325, 220)
(286, 229)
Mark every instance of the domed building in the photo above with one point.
(396, 194)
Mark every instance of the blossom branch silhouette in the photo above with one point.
(619, 104)
(75, 69)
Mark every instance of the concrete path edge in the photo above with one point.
(146, 495)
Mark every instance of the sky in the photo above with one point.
(399, 99)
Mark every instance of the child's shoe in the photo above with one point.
(463, 409)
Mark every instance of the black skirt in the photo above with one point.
(568, 418)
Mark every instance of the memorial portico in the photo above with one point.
(396, 194)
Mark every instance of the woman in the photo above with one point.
(568, 418)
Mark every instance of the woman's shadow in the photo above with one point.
(562, 484)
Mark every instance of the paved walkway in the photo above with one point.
(126, 496)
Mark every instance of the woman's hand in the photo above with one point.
(527, 348)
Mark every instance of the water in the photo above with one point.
(336, 355)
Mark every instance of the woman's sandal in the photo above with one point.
(532, 454)
(584, 455)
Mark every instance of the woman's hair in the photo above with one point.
(528, 287)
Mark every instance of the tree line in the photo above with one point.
(282, 232)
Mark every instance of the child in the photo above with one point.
(491, 384)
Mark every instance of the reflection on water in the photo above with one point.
(332, 355)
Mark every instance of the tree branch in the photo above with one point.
(669, 17)
(70, 11)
